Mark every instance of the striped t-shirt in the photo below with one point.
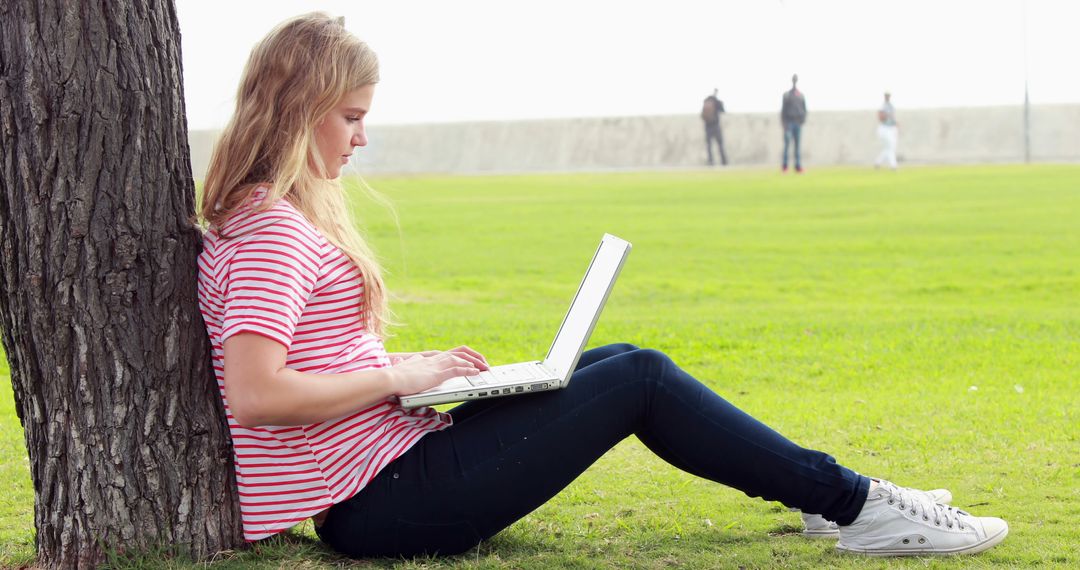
(276, 275)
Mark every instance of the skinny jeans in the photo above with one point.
(504, 457)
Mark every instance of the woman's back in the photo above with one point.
(275, 275)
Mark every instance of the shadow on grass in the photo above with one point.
(513, 548)
(522, 545)
(287, 550)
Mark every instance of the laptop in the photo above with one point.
(555, 370)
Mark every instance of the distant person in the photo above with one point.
(792, 116)
(710, 114)
(888, 133)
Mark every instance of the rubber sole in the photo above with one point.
(822, 534)
(988, 543)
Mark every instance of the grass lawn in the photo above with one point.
(921, 326)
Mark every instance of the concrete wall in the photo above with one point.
(927, 136)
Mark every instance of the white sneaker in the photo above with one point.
(817, 526)
(897, 522)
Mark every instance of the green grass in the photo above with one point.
(921, 326)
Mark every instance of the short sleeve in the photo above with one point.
(271, 276)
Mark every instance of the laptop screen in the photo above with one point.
(585, 309)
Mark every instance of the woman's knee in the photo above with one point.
(652, 357)
(601, 353)
(634, 366)
(650, 363)
(621, 347)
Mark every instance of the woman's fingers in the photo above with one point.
(424, 372)
(476, 362)
(465, 361)
(471, 354)
(433, 367)
(469, 351)
(446, 361)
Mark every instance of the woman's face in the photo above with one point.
(341, 131)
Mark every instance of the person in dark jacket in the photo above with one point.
(710, 114)
(792, 117)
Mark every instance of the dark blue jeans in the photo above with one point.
(505, 457)
(792, 133)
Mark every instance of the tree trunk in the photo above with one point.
(109, 357)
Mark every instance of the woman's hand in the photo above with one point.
(399, 357)
(471, 355)
(419, 371)
(462, 351)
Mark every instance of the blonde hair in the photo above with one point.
(295, 76)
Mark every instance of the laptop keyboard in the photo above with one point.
(498, 376)
(509, 373)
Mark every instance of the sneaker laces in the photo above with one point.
(915, 502)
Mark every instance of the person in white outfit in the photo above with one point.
(888, 133)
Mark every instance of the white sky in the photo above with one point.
(494, 60)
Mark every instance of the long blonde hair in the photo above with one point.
(295, 76)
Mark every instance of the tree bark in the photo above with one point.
(109, 357)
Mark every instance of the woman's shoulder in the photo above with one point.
(256, 217)
(279, 230)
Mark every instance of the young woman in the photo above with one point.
(295, 308)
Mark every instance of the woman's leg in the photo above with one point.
(462, 485)
(595, 355)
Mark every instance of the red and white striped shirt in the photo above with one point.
(282, 279)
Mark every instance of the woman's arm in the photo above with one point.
(262, 391)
